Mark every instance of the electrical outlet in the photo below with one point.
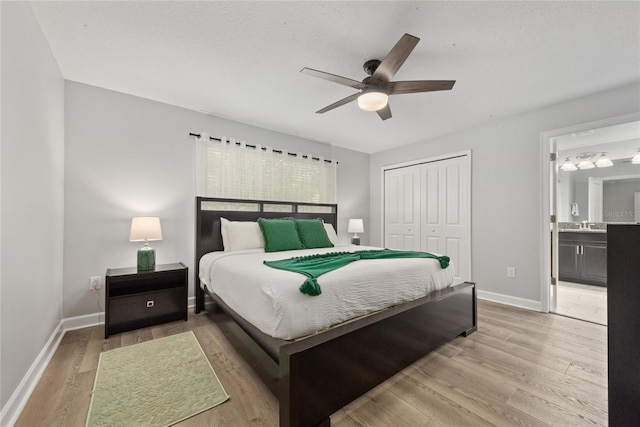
(511, 272)
(94, 283)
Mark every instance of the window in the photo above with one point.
(230, 169)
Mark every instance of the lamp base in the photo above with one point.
(146, 259)
(355, 240)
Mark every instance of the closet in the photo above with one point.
(427, 208)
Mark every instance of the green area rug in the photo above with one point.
(155, 383)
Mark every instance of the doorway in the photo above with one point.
(583, 204)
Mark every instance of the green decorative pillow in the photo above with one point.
(313, 234)
(279, 235)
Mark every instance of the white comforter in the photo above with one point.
(271, 300)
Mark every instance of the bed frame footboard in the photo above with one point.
(321, 374)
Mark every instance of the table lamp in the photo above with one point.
(145, 228)
(355, 226)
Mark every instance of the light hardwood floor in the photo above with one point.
(520, 368)
(586, 302)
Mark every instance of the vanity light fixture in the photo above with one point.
(568, 166)
(585, 161)
(604, 161)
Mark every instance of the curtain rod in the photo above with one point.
(212, 138)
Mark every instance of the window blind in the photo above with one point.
(233, 169)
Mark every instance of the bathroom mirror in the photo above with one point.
(599, 194)
(605, 197)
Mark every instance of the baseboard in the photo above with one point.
(16, 403)
(509, 300)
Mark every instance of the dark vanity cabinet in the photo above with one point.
(582, 257)
(623, 318)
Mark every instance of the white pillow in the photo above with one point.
(239, 235)
(331, 233)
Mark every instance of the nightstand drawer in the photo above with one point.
(146, 305)
(136, 299)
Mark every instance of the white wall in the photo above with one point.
(506, 186)
(127, 156)
(32, 163)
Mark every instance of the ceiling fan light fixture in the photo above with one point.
(373, 101)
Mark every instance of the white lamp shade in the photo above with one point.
(355, 226)
(586, 164)
(604, 162)
(373, 101)
(568, 166)
(145, 228)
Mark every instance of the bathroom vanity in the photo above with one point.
(582, 256)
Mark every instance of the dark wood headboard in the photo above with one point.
(209, 210)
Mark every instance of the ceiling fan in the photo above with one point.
(375, 89)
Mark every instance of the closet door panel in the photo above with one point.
(454, 251)
(392, 199)
(402, 208)
(452, 195)
(427, 209)
(431, 195)
(444, 190)
(433, 245)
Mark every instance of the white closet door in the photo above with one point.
(445, 210)
(402, 208)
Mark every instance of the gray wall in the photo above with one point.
(506, 185)
(32, 156)
(127, 156)
(618, 200)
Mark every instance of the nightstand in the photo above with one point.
(136, 299)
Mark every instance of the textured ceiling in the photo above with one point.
(241, 60)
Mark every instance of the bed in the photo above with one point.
(319, 372)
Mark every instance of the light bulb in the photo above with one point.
(373, 101)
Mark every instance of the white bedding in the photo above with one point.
(271, 300)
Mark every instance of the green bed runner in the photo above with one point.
(314, 266)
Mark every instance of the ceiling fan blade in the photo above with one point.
(340, 103)
(333, 78)
(385, 113)
(415, 86)
(394, 59)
